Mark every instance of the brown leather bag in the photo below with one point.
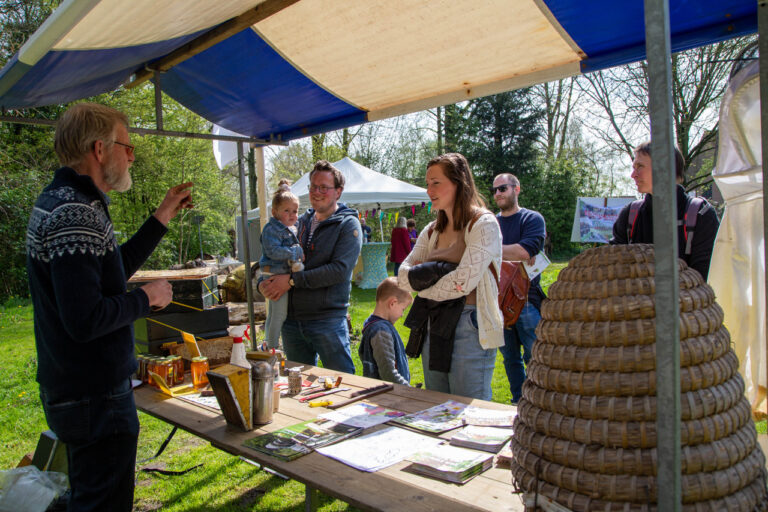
(513, 290)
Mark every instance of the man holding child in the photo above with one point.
(331, 237)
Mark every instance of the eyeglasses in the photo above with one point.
(320, 188)
(128, 147)
(500, 188)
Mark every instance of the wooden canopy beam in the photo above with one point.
(214, 36)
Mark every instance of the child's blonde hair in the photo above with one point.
(388, 288)
(283, 193)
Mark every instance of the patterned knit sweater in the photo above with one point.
(77, 277)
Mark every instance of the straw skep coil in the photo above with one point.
(585, 433)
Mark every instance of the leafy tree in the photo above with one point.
(499, 134)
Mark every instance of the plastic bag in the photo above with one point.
(30, 489)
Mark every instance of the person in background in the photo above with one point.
(366, 230)
(523, 232)
(83, 313)
(281, 254)
(331, 238)
(381, 350)
(400, 244)
(412, 233)
(455, 322)
(702, 222)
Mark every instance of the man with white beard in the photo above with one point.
(83, 314)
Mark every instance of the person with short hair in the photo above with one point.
(366, 231)
(83, 313)
(696, 238)
(455, 322)
(381, 350)
(281, 253)
(331, 238)
(523, 232)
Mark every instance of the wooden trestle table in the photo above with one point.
(389, 489)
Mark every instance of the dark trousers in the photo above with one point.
(101, 432)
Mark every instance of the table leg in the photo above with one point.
(310, 499)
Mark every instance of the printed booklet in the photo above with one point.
(488, 417)
(437, 419)
(450, 463)
(292, 442)
(362, 415)
(489, 439)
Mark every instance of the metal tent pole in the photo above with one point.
(261, 183)
(246, 240)
(657, 43)
(762, 30)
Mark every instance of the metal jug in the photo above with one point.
(263, 377)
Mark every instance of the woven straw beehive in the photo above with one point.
(585, 434)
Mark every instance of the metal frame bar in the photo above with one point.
(658, 51)
(151, 131)
(762, 41)
(246, 240)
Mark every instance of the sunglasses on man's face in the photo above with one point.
(500, 188)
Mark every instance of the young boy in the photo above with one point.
(382, 351)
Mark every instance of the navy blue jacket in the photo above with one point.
(322, 289)
(77, 277)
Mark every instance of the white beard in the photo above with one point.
(116, 180)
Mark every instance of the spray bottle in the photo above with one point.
(238, 348)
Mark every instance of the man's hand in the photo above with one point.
(274, 287)
(532, 261)
(159, 293)
(176, 199)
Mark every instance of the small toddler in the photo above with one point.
(281, 254)
(382, 351)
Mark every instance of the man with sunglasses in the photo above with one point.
(523, 232)
(331, 238)
(83, 313)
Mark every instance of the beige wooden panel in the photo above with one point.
(377, 55)
(117, 23)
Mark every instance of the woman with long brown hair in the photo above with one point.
(455, 321)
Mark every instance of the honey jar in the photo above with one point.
(178, 370)
(199, 367)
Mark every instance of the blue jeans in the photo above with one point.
(101, 432)
(277, 311)
(397, 268)
(471, 365)
(521, 335)
(329, 338)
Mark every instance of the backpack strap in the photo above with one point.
(634, 208)
(695, 204)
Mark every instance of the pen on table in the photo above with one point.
(320, 403)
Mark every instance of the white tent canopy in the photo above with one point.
(364, 189)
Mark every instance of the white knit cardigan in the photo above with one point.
(483, 249)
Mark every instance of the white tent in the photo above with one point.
(737, 272)
(364, 189)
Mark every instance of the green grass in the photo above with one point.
(224, 482)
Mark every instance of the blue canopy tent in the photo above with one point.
(277, 70)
